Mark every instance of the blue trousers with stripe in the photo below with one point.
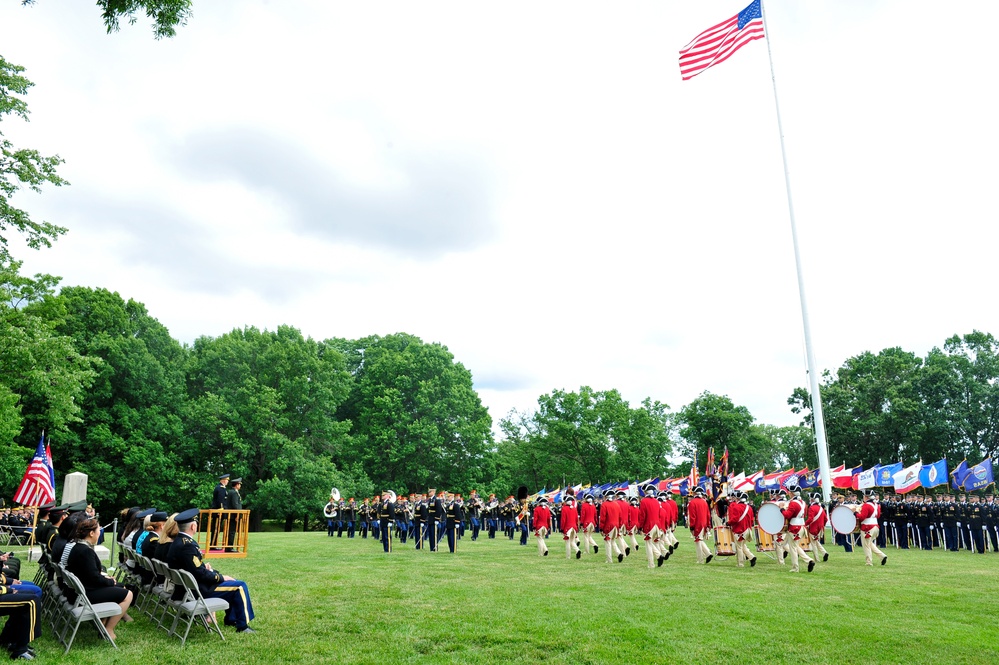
(236, 593)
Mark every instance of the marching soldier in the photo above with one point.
(542, 524)
(569, 523)
(455, 514)
(795, 514)
(868, 515)
(740, 519)
(435, 513)
(699, 521)
(816, 525)
(329, 512)
(386, 518)
(588, 523)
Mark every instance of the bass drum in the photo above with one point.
(771, 519)
(843, 519)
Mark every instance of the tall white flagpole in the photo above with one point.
(813, 375)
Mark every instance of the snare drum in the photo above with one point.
(764, 541)
(724, 541)
(771, 519)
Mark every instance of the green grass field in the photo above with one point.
(336, 600)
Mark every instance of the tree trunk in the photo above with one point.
(289, 522)
(305, 522)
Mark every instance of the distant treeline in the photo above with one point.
(153, 422)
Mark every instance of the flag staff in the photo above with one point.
(813, 377)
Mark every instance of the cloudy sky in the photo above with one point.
(530, 183)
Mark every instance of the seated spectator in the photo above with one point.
(23, 612)
(185, 555)
(82, 561)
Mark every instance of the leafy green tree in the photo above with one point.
(131, 441)
(959, 385)
(264, 406)
(585, 436)
(22, 168)
(416, 416)
(782, 448)
(714, 421)
(873, 408)
(166, 15)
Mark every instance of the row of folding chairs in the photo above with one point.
(65, 616)
(156, 598)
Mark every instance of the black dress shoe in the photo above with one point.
(546, 552)
(710, 557)
(659, 562)
(596, 550)
(811, 565)
(627, 551)
(752, 562)
(825, 557)
(620, 558)
(884, 561)
(579, 553)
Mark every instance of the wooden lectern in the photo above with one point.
(223, 534)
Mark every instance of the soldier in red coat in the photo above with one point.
(610, 521)
(816, 525)
(542, 525)
(699, 521)
(868, 516)
(621, 498)
(794, 512)
(570, 525)
(588, 523)
(673, 517)
(649, 523)
(633, 522)
(740, 519)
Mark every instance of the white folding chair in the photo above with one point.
(196, 606)
(82, 610)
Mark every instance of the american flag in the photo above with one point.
(38, 485)
(718, 43)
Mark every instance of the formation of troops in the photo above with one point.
(728, 524)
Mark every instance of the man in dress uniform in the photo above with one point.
(475, 513)
(435, 514)
(740, 520)
(219, 498)
(185, 555)
(610, 522)
(976, 520)
(386, 519)
(991, 516)
(868, 516)
(648, 522)
(624, 524)
(233, 501)
(699, 521)
(542, 524)
(795, 514)
(948, 523)
(588, 523)
(815, 522)
(492, 515)
(569, 523)
(633, 521)
(454, 514)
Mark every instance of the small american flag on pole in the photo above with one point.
(37, 487)
(718, 43)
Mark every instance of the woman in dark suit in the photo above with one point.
(83, 562)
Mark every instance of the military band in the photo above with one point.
(425, 521)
